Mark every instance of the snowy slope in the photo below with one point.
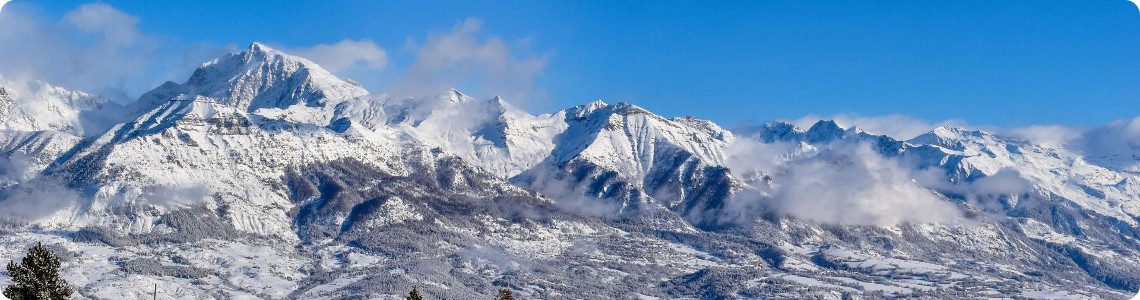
(620, 152)
(266, 177)
(1047, 193)
(639, 163)
(491, 133)
(36, 106)
(264, 82)
(1050, 170)
(240, 119)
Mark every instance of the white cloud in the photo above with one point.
(1117, 141)
(94, 48)
(1114, 145)
(1005, 181)
(747, 155)
(118, 28)
(853, 185)
(481, 67)
(99, 49)
(25, 196)
(346, 54)
(838, 183)
(1050, 135)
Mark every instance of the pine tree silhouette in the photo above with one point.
(505, 294)
(37, 277)
(414, 295)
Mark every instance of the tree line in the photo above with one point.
(504, 294)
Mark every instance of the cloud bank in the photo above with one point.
(1115, 145)
(854, 185)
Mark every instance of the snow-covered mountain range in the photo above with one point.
(266, 176)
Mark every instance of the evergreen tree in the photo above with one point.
(414, 295)
(37, 277)
(504, 294)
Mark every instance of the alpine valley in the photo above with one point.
(265, 176)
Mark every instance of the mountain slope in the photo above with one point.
(204, 144)
(38, 106)
(638, 163)
(1045, 194)
(206, 171)
(264, 176)
(492, 134)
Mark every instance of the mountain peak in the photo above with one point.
(828, 125)
(952, 133)
(263, 53)
(581, 111)
(259, 47)
(956, 138)
(454, 96)
(947, 130)
(629, 108)
(599, 107)
(772, 131)
(595, 105)
(824, 131)
(261, 77)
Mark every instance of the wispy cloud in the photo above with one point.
(840, 182)
(26, 196)
(100, 49)
(344, 55)
(1119, 139)
(94, 48)
(117, 28)
(483, 67)
(1049, 135)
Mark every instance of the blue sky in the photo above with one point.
(999, 63)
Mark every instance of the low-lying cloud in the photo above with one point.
(853, 185)
(848, 182)
(978, 191)
(24, 196)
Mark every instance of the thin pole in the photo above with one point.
(156, 291)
